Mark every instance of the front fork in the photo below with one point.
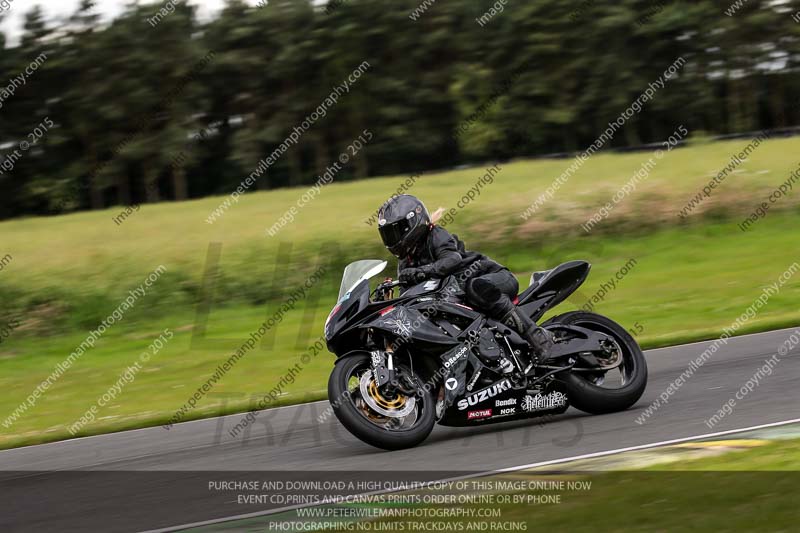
(382, 367)
(385, 374)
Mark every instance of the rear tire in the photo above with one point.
(590, 398)
(356, 423)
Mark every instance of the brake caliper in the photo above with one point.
(382, 367)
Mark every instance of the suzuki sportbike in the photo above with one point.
(407, 362)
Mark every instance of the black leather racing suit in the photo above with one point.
(488, 285)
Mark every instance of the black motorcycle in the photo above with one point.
(405, 363)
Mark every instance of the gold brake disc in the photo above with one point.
(397, 403)
(394, 408)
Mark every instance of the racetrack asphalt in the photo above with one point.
(156, 478)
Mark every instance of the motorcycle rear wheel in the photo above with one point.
(584, 393)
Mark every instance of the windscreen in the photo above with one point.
(355, 272)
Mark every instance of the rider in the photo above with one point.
(426, 250)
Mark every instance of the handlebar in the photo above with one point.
(383, 288)
(390, 284)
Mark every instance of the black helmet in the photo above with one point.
(402, 222)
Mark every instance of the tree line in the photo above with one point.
(158, 104)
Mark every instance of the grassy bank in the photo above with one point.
(67, 270)
(751, 490)
(739, 491)
(686, 284)
(683, 281)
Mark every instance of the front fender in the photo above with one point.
(352, 353)
(380, 372)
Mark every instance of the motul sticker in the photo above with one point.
(472, 415)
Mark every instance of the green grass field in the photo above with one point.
(691, 278)
(751, 490)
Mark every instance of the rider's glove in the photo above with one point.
(413, 275)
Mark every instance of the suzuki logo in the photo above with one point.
(430, 285)
(483, 395)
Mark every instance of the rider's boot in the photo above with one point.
(539, 339)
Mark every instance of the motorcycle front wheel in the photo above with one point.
(390, 421)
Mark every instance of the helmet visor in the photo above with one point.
(394, 233)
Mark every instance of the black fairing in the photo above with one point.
(502, 402)
(553, 287)
(349, 307)
(412, 323)
(407, 315)
(422, 288)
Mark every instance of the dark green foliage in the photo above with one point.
(130, 98)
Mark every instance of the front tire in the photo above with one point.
(587, 396)
(351, 409)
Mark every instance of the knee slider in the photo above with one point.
(483, 291)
